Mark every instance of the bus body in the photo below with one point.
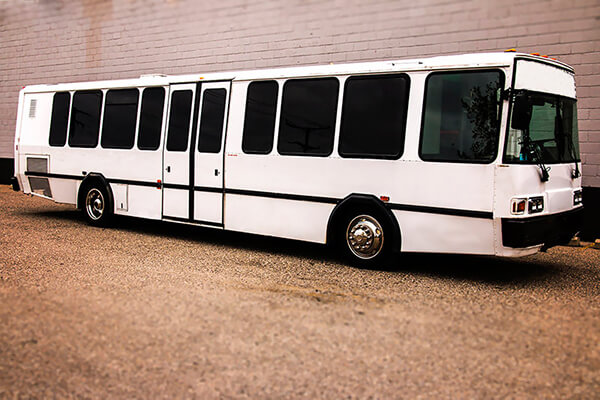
(473, 154)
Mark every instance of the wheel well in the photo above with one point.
(360, 203)
(96, 180)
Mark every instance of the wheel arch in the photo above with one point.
(93, 179)
(358, 201)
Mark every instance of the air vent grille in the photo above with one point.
(32, 108)
(36, 164)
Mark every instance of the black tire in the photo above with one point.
(365, 238)
(96, 204)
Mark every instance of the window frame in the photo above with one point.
(190, 121)
(406, 101)
(335, 120)
(502, 87)
(161, 131)
(136, 124)
(277, 111)
(66, 133)
(202, 111)
(100, 119)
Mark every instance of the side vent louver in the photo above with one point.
(32, 108)
(39, 185)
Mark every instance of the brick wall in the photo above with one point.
(47, 41)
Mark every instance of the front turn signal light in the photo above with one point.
(517, 206)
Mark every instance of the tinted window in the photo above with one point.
(153, 100)
(212, 119)
(59, 119)
(308, 113)
(85, 118)
(179, 120)
(374, 116)
(461, 116)
(120, 117)
(259, 122)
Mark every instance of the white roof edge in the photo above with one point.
(474, 60)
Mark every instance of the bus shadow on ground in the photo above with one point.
(482, 269)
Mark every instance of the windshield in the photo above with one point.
(543, 129)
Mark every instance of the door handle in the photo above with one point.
(217, 172)
(168, 168)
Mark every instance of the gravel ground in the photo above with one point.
(156, 310)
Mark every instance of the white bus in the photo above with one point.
(473, 154)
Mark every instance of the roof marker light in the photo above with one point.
(510, 50)
(535, 54)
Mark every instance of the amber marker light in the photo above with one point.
(384, 198)
(510, 50)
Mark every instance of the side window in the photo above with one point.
(461, 116)
(374, 116)
(59, 119)
(308, 112)
(259, 120)
(85, 118)
(179, 120)
(120, 118)
(151, 118)
(212, 119)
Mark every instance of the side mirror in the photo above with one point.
(521, 112)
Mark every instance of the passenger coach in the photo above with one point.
(474, 154)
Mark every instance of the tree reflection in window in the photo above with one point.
(460, 118)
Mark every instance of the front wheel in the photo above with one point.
(367, 238)
(97, 207)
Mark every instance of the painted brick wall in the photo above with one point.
(47, 41)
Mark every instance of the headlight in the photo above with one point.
(536, 205)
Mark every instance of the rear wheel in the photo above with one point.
(96, 205)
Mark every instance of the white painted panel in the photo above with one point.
(275, 217)
(208, 206)
(521, 181)
(144, 202)
(35, 131)
(64, 190)
(422, 232)
(176, 203)
(120, 197)
(544, 78)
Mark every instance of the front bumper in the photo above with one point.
(547, 230)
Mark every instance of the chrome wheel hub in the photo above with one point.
(364, 237)
(94, 204)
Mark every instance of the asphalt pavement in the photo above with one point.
(146, 309)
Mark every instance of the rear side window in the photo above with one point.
(179, 120)
(85, 118)
(308, 112)
(461, 116)
(120, 118)
(212, 119)
(59, 119)
(259, 121)
(374, 116)
(151, 118)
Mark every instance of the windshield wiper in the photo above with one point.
(534, 151)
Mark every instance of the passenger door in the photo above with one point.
(177, 190)
(208, 159)
(193, 153)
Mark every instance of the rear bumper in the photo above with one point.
(15, 184)
(547, 230)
